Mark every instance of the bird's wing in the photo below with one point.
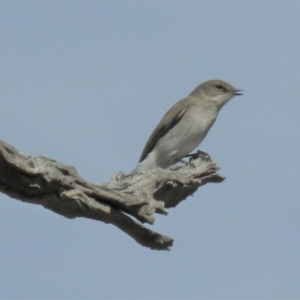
(169, 120)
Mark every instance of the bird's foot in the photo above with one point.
(187, 163)
(198, 154)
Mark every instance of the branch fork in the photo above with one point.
(126, 201)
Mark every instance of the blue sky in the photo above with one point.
(86, 82)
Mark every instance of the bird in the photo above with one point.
(185, 125)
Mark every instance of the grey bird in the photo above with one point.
(185, 125)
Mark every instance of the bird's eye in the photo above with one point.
(219, 86)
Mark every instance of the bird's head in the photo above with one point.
(216, 91)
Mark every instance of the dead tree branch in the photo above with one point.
(123, 199)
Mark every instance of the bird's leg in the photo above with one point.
(187, 163)
(198, 154)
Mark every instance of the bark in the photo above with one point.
(126, 201)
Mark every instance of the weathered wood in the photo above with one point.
(120, 201)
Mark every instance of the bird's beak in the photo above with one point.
(236, 92)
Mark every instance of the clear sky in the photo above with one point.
(86, 82)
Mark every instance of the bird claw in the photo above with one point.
(198, 154)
